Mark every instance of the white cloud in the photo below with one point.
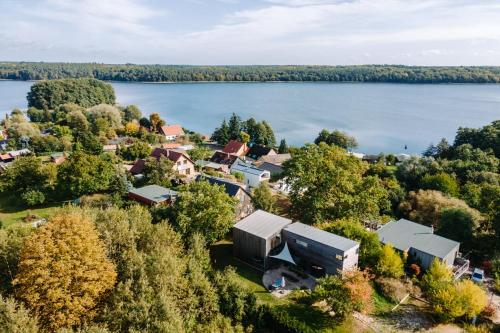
(272, 31)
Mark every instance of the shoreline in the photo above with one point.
(277, 82)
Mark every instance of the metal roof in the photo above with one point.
(262, 224)
(154, 193)
(404, 234)
(321, 236)
(250, 169)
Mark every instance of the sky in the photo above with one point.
(243, 32)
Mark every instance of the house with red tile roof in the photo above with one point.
(183, 164)
(171, 132)
(236, 148)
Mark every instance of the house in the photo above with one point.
(171, 132)
(57, 158)
(257, 151)
(111, 148)
(419, 242)
(11, 155)
(277, 159)
(237, 148)
(223, 158)
(212, 166)
(153, 195)
(262, 237)
(234, 190)
(320, 251)
(256, 235)
(171, 145)
(252, 176)
(183, 164)
(372, 159)
(274, 170)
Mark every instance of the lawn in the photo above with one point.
(12, 211)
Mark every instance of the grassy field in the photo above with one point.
(12, 212)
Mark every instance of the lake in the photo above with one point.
(383, 117)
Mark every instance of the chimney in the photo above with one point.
(432, 228)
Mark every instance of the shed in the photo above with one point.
(419, 241)
(256, 235)
(153, 195)
(318, 248)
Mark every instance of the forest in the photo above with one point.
(185, 73)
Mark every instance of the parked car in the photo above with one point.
(478, 275)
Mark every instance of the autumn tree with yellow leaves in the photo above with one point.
(64, 271)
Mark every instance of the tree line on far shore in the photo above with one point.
(184, 73)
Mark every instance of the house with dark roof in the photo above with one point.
(153, 195)
(220, 157)
(263, 239)
(234, 190)
(171, 132)
(419, 242)
(183, 164)
(237, 148)
(257, 151)
(320, 251)
(256, 236)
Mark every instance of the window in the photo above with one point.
(301, 243)
(338, 257)
(357, 250)
(185, 162)
(179, 163)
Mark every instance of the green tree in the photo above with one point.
(390, 263)
(64, 272)
(11, 242)
(204, 208)
(200, 153)
(221, 134)
(131, 112)
(440, 182)
(283, 148)
(77, 121)
(457, 224)
(334, 292)
(263, 198)
(369, 248)
(327, 183)
(337, 138)
(234, 127)
(426, 206)
(163, 285)
(138, 149)
(28, 178)
(84, 174)
(15, 318)
(158, 171)
(84, 91)
(89, 143)
(35, 115)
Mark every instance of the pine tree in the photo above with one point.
(64, 272)
(234, 127)
(283, 148)
(221, 134)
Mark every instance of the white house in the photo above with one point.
(171, 132)
(252, 175)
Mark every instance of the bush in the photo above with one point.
(391, 288)
(390, 263)
(33, 198)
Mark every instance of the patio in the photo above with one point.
(292, 281)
